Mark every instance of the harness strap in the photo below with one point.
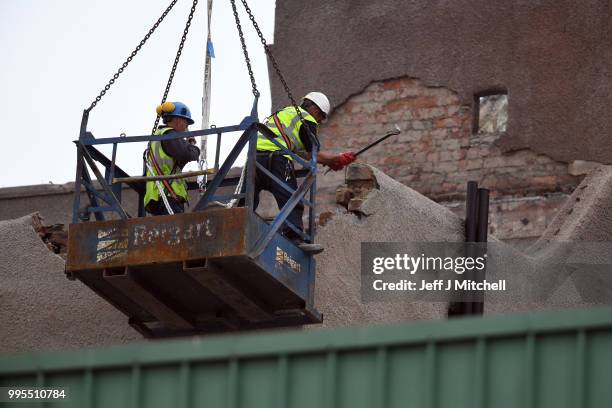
(281, 129)
(160, 173)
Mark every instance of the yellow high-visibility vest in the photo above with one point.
(289, 133)
(165, 164)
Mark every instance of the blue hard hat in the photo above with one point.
(180, 109)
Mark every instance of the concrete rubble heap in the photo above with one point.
(42, 310)
(586, 215)
(376, 208)
(380, 210)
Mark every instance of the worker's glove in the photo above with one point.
(347, 158)
(342, 160)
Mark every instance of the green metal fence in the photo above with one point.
(541, 360)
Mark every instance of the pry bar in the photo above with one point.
(397, 131)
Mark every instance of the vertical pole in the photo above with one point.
(471, 220)
(312, 228)
(471, 210)
(112, 166)
(481, 236)
(483, 215)
(250, 170)
(217, 152)
(93, 201)
(313, 196)
(115, 188)
(141, 209)
(76, 205)
(207, 85)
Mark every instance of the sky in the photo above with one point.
(58, 55)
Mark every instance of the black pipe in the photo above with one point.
(481, 236)
(464, 307)
(483, 215)
(471, 212)
(471, 235)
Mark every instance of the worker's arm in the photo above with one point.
(181, 150)
(324, 158)
(333, 161)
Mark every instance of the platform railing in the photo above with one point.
(108, 199)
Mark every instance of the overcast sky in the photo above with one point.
(57, 56)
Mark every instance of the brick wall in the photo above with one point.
(436, 154)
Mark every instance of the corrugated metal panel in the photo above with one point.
(541, 360)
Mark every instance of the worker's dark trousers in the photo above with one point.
(158, 207)
(282, 168)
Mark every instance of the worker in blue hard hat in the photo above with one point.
(169, 157)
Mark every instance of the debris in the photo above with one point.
(360, 172)
(36, 298)
(53, 236)
(581, 167)
(360, 180)
(355, 204)
(396, 213)
(587, 213)
(343, 195)
(325, 217)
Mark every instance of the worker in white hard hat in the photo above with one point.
(293, 133)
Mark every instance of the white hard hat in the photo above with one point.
(320, 100)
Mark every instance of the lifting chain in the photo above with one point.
(244, 49)
(268, 52)
(132, 55)
(166, 91)
(176, 60)
(272, 60)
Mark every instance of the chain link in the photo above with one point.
(274, 65)
(176, 60)
(268, 52)
(244, 49)
(132, 55)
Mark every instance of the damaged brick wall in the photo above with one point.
(437, 153)
(552, 56)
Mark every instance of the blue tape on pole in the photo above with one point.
(211, 50)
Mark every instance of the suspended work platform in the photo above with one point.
(218, 268)
(192, 273)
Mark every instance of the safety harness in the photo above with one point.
(158, 171)
(282, 131)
